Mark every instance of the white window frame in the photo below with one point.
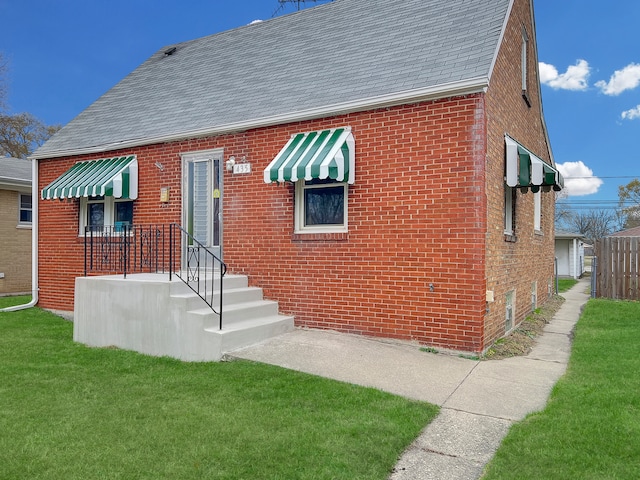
(300, 227)
(537, 211)
(109, 210)
(22, 224)
(508, 210)
(525, 47)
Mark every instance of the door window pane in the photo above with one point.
(199, 205)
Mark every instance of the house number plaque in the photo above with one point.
(242, 168)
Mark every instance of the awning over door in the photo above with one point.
(111, 177)
(315, 155)
(526, 170)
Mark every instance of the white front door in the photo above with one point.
(202, 199)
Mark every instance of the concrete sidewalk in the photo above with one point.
(479, 400)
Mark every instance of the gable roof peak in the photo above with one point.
(337, 57)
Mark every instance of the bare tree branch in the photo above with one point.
(22, 133)
(593, 224)
(629, 203)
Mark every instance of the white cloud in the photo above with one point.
(631, 114)
(575, 78)
(255, 21)
(626, 79)
(578, 178)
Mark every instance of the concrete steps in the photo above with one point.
(151, 314)
(247, 318)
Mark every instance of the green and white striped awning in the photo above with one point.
(111, 177)
(315, 155)
(525, 170)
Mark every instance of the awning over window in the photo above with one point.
(526, 170)
(315, 155)
(111, 177)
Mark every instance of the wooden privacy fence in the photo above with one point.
(617, 272)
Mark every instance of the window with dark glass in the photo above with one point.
(99, 212)
(123, 213)
(25, 208)
(323, 203)
(95, 212)
(320, 206)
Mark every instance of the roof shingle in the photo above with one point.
(331, 56)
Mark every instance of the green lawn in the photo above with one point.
(12, 301)
(72, 412)
(565, 284)
(590, 428)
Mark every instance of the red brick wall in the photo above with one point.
(416, 218)
(426, 210)
(515, 265)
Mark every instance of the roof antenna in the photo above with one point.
(296, 2)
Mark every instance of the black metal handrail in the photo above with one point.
(200, 267)
(124, 249)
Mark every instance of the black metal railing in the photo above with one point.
(202, 271)
(127, 249)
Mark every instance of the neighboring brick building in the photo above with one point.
(15, 226)
(417, 219)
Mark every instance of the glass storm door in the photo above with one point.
(203, 202)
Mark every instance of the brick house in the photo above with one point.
(15, 225)
(378, 168)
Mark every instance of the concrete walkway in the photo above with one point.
(479, 400)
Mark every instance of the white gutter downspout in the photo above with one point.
(34, 242)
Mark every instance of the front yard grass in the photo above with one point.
(13, 300)
(591, 425)
(72, 412)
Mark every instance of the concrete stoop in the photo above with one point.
(149, 314)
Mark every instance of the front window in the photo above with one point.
(25, 209)
(95, 213)
(99, 212)
(321, 206)
(537, 211)
(509, 209)
(524, 60)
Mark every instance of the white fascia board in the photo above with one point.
(466, 87)
(14, 183)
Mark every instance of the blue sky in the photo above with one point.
(63, 54)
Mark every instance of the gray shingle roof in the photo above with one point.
(629, 232)
(15, 171)
(334, 57)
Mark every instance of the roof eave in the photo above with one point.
(14, 182)
(464, 87)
